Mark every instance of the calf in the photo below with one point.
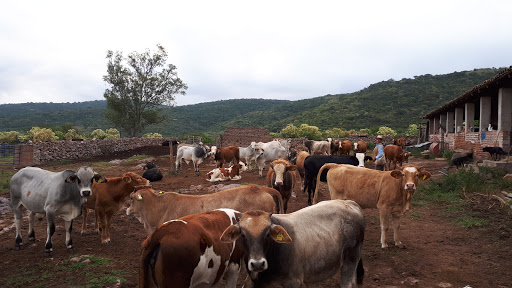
(393, 154)
(187, 252)
(153, 209)
(108, 198)
(223, 174)
(400, 142)
(304, 247)
(360, 147)
(196, 154)
(152, 173)
(281, 178)
(312, 165)
(225, 155)
(389, 191)
(51, 193)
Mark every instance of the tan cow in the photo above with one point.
(106, 199)
(393, 154)
(400, 141)
(388, 191)
(154, 208)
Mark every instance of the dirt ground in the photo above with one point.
(439, 252)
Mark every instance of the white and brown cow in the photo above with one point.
(389, 191)
(280, 176)
(345, 147)
(360, 146)
(154, 208)
(223, 174)
(225, 155)
(304, 247)
(187, 252)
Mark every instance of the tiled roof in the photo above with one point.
(492, 84)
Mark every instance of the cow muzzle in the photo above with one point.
(86, 193)
(258, 265)
(410, 187)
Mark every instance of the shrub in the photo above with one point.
(99, 134)
(37, 134)
(310, 132)
(412, 130)
(72, 134)
(152, 135)
(386, 131)
(113, 133)
(290, 131)
(9, 137)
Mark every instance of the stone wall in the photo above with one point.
(67, 150)
(243, 136)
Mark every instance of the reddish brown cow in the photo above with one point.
(400, 142)
(281, 178)
(188, 252)
(393, 154)
(226, 155)
(388, 191)
(360, 147)
(108, 198)
(345, 147)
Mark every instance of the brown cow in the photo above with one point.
(226, 155)
(345, 147)
(388, 191)
(395, 153)
(108, 198)
(187, 252)
(360, 147)
(400, 142)
(153, 209)
(281, 178)
(223, 174)
(301, 157)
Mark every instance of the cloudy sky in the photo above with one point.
(54, 51)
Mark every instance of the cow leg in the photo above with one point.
(103, 225)
(285, 204)
(16, 209)
(31, 234)
(384, 225)
(50, 229)
(105, 239)
(396, 225)
(96, 222)
(350, 262)
(85, 211)
(69, 242)
(231, 275)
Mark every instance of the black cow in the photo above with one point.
(460, 161)
(152, 173)
(312, 165)
(495, 152)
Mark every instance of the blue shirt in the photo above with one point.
(380, 149)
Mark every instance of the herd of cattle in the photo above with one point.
(197, 240)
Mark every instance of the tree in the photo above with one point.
(412, 130)
(386, 131)
(137, 88)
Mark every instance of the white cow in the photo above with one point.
(196, 154)
(250, 153)
(272, 150)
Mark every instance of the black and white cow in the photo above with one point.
(196, 154)
(312, 165)
(51, 193)
(304, 247)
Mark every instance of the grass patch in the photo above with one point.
(137, 158)
(26, 277)
(86, 261)
(414, 214)
(5, 178)
(471, 222)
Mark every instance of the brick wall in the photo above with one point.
(43, 152)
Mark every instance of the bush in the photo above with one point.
(386, 131)
(152, 135)
(310, 132)
(99, 134)
(412, 130)
(37, 134)
(290, 131)
(113, 133)
(72, 134)
(9, 137)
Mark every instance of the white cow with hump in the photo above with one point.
(250, 153)
(272, 150)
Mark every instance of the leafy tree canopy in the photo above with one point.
(138, 85)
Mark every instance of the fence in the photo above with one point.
(10, 154)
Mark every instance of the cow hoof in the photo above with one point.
(106, 242)
(48, 253)
(71, 250)
(31, 240)
(18, 247)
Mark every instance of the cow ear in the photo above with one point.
(424, 175)
(397, 174)
(71, 178)
(99, 178)
(291, 167)
(127, 179)
(230, 234)
(279, 235)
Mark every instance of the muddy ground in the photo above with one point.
(439, 252)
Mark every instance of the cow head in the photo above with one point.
(243, 167)
(149, 165)
(213, 151)
(135, 179)
(280, 167)
(83, 179)
(410, 176)
(258, 234)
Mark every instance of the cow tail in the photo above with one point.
(149, 257)
(326, 166)
(360, 272)
(278, 201)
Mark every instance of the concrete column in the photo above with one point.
(442, 122)
(431, 129)
(436, 125)
(470, 116)
(485, 113)
(459, 118)
(450, 119)
(505, 109)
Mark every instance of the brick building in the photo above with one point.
(490, 102)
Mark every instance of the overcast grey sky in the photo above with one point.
(54, 51)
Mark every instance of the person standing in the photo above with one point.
(378, 154)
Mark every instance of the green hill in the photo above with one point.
(392, 103)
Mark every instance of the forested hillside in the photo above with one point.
(392, 103)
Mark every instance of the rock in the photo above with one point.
(444, 285)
